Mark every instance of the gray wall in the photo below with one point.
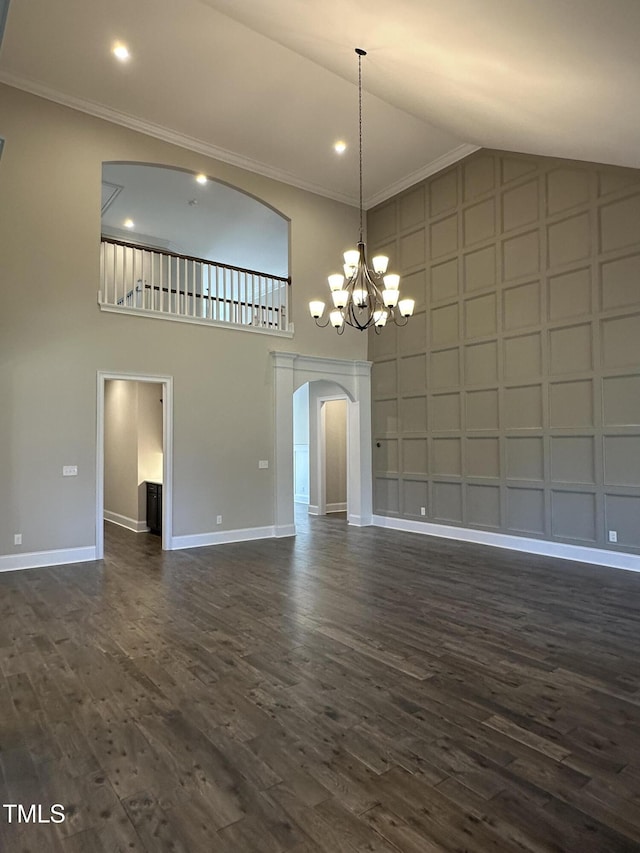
(54, 338)
(511, 401)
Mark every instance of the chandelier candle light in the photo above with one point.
(364, 296)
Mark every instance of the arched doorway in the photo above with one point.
(329, 378)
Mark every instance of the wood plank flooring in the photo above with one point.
(350, 690)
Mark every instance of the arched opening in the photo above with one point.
(327, 380)
(186, 246)
(172, 209)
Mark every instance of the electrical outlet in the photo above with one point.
(218, 519)
(17, 539)
(613, 536)
(423, 510)
(69, 470)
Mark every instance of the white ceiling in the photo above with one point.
(271, 85)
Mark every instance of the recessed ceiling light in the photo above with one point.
(121, 52)
(340, 147)
(129, 223)
(201, 179)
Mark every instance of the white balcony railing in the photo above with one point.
(136, 279)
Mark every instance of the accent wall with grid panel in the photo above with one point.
(511, 400)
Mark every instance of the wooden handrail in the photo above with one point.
(166, 253)
(222, 299)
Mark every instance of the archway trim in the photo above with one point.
(290, 371)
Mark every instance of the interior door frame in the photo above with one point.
(167, 452)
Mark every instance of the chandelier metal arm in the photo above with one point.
(322, 325)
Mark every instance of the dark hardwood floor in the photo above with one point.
(349, 690)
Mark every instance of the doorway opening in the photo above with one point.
(320, 448)
(333, 453)
(134, 455)
(301, 446)
(328, 378)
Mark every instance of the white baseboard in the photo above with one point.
(577, 553)
(314, 510)
(282, 530)
(40, 559)
(124, 521)
(341, 507)
(198, 540)
(359, 520)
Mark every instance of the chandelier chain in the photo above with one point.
(360, 137)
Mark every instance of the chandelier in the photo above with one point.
(364, 296)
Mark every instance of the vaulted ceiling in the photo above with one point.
(271, 85)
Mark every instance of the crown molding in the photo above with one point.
(437, 165)
(174, 137)
(199, 146)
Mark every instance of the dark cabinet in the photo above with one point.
(154, 507)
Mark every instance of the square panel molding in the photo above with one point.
(514, 393)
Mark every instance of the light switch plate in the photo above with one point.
(263, 463)
(69, 470)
